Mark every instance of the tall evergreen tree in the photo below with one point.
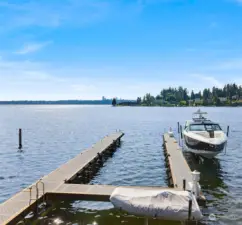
(192, 95)
(114, 102)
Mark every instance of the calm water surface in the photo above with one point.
(54, 134)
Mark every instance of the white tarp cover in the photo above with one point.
(159, 203)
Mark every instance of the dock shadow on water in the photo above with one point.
(93, 213)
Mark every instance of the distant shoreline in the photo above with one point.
(60, 102)
(99, 103)
(52, 104)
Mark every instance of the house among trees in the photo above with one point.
(235, 97)
(222, 99)
(190, 102)
(198, 101)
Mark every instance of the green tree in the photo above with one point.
(139, 100)
(217, 101)
(158, 97)
(192, 95)
(114, 102)
(210, 96)
(149, 99)
(183, 103)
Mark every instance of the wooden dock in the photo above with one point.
(16, 207)
(90, 192)
(69, 181)
(178, 169)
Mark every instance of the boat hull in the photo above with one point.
(206, 150)
(203, 153)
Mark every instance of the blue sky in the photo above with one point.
(86, 49)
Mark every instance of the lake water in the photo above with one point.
(54, 134)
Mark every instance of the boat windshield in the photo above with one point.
(205, 127)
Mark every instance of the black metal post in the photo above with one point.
(184, 184)
(227, 131)
(181, 131)
(190, 210)
(20, 146)
(178, 126)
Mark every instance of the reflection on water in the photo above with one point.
(217, 192)
(72, 214)
(210, 169)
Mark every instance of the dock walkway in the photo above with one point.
(91, 192)
(178, 164)
(178, 168)
(13, 209)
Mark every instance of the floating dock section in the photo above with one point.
(178, 171)
(17, 207)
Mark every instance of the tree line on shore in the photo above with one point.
(230, 94)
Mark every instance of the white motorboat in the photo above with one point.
(204, 137)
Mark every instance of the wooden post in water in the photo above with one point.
(20, 146)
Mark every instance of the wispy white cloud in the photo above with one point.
(32, 47)
(33, 80)
(211, 81)
(51, 13)
(232, 64)
(21, 79)
(54, 13)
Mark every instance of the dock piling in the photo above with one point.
(178, 127)
(190, 210)
(227, 131)
(181, 131)
(184, 184)
(20, 146)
